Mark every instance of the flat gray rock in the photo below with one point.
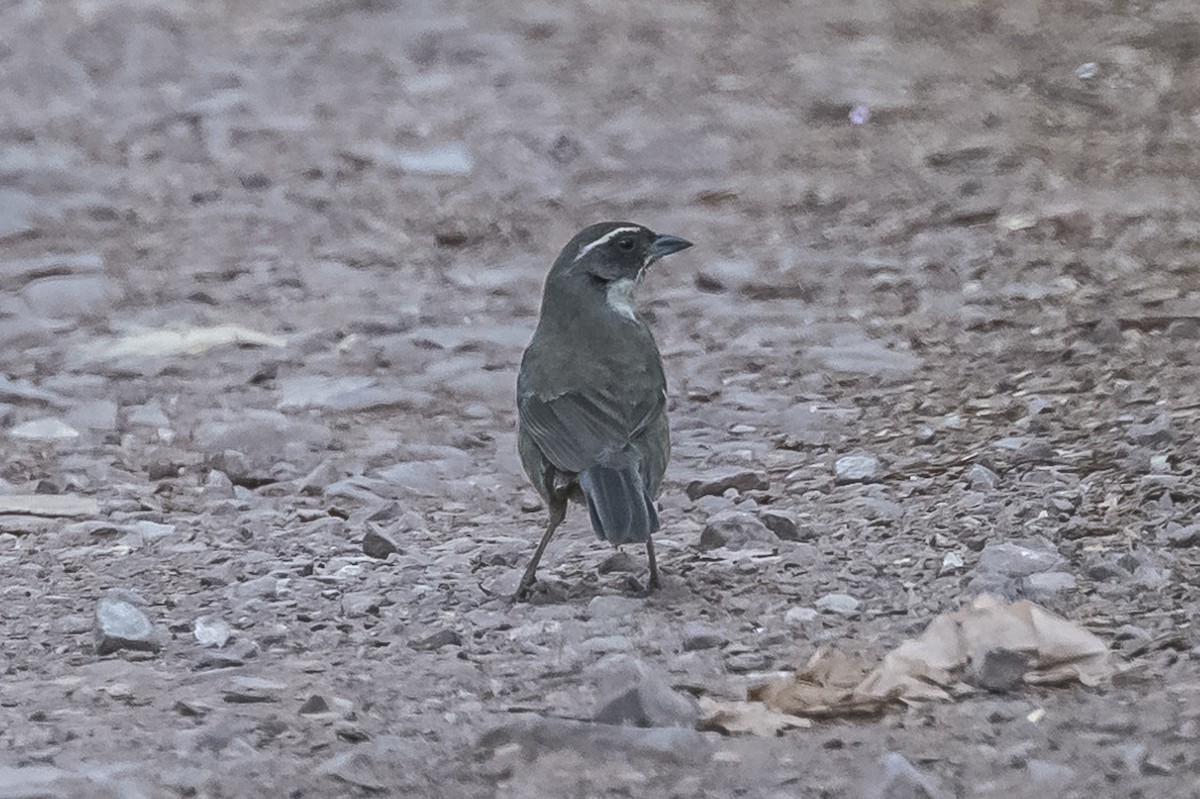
(119, 625)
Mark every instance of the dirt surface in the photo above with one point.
(954, 242)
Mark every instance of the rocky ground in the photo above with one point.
(266, 271)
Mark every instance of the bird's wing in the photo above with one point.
(576, 430)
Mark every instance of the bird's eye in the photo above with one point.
(625, 244)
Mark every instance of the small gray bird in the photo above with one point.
(591, 395)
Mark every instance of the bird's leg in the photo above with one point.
(652, 585)
(558, 512)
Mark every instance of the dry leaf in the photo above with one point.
(931, 666)
(753, 718)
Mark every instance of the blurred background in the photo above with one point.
(267, 267)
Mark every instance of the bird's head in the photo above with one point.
(613, 251)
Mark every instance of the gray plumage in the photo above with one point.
(591, 393)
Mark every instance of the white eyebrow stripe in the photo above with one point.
(585, 249)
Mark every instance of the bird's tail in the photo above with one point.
(622, 511)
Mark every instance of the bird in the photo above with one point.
(591, 392)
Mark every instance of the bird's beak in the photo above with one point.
(665, 245)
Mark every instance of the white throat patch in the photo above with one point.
(620, 297)
(585, 249)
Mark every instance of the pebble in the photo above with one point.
(1049, 778)
(98, 414)
(1184, 536)
(859, 467)
(50, 505)
(951, 562)
(314, 705)
(902, 780)
(716, 485)
(217, 485)
(800, 615)
(1045, 585)
(314, 483)
(119, 625)
(45, 429)
(1015, 560)
(448, 159)
(437, 640)
(734, 529)
(619, 561)
(651, 702)
(377, 543)
(244, 690)
(1154, 433)
(354, 393)
(925, 435)
(981, 478)
(69, 296)
(607, 606)
(841, 604)
(1001, 670)
(148, 415)
(210, 631)
(697, 635)
(785, 526)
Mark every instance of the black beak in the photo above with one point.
(666, 245)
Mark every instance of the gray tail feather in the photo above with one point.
(621, 511)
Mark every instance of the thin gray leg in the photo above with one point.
(653, 583)
(558, 512)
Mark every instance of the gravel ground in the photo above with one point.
(266, 272)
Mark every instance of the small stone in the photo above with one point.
(1049, 778)
(924, 435)
(314, 482)
(436, 641)
(715, 486)
(48, 505)
(841, 604)
(735, 530)
(800, 615)
(859, 467)
(1107, 332)
(785, 526)
(211, 631)
(252, 690)
(613, 607)
(650, 703)
(901, 780)
(313, 705)
(378, 544)
(235, 465)
(70, 296)
(619, 561)
(1184, 329)
(98, 414)
(1185, 536)
(697, 635)
(1015, 560)
(45, 429)
(951, 562)
(357, 604)
(150, 415)
(1045, 585)
(119, 625)
(981, 478)
(217, 485)
(386, 513)
(1154, 433)
(1001, 671)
